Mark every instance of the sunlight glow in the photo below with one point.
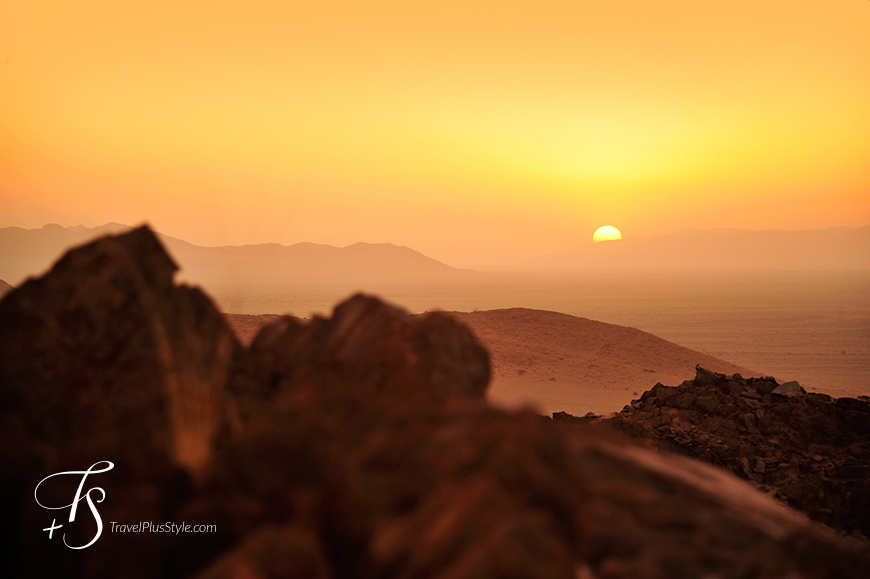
(606, 233)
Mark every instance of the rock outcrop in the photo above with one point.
(355, 446)
(104, 358)
(809, 450)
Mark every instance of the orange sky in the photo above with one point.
(476, 132)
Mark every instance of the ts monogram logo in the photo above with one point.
(73, 506)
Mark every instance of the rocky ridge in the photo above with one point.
(359, 445)
(808, 450)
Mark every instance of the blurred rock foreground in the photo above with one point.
(355, 446)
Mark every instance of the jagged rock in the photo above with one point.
(103, 358)
(809, 450)
(705, 377)
(789, 389)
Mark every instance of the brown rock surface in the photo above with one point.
(4, 288)
(810, 450)
(104, 358)
(654, 515)
(355, 446)
(370, 345)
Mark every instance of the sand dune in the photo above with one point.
(558, 362)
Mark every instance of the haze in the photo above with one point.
(478, 133)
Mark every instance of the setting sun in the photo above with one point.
(606, 233)
(510, 126)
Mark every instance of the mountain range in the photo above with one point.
(28, 252)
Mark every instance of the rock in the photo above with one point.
(707, 404)
(654, 515)
(507, 503)
(755, 417)
(288, 552)
(705, 377)
(790, 389)
(103, 358)
(759, 466)
(765, 386)
(4, 288)
(369, 344)
(683, 400)
(663, 394)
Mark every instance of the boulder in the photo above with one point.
(789, 389)
(104, 359)
(371, 346)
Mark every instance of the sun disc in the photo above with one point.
(606, 233)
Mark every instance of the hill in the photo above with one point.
(836, 248)
(559, 362)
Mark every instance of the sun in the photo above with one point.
(606, 233)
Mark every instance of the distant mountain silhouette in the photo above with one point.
(836, 248)
(311, 263)
(28, 252)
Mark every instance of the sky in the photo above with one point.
(476, 132)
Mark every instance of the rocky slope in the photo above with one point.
(355, 446)
(809, 450)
